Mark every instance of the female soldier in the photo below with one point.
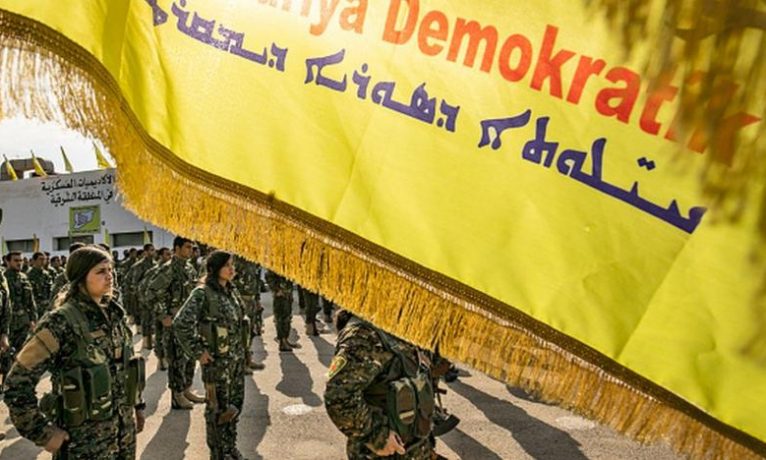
(212, 327)
(95, 408)
(379, 393)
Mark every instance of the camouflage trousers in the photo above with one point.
(160, 340)
(225, 388)
(147, 320)
(180, 366)
(283, 315)
(110, 439)
(311, 300)
(422, 450)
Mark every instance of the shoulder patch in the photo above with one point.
(337, 364)
(37, 349)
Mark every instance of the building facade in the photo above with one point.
(49, 213)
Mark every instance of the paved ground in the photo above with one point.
(284, 417)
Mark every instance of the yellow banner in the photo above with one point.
(509, 147)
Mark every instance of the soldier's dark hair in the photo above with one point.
(215, 262)
(148, 246)
(162, 251)
(78, 266)
(179, 241)
(11, 254)
(105, 247)
(47, 254)
(37, 255)
(140, 252)
(75, 246)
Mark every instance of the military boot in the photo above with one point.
(284, 345)
(148, 342)
(179, 401)
(193, 397)
(311, 329)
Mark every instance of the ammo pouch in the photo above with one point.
(409, 394)
(85, 381)
(98, 388)
(410, 406)
(217, 336)
(86, 394)
(136, 371)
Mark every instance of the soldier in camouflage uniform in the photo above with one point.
(167, 292)
(246, 283)
(95, 407)
(127, 294)
(60, 281)
(41, 281)
(155, 327)
(132, 279)
(282, 290)
(213, 328)
(56, 266)
(371, 369)
(5, 317)
(23, 308)
(311, 302)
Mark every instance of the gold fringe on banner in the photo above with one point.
(43, 75)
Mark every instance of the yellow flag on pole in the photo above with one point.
(107, 237)
(101, 160)
(9, 169)
(38, 167)
(3, 246)
(67, 164)
(147, 238)
(35, 243)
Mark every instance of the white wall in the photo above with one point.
(41, 206)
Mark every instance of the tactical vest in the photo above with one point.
(215, 331)
(405, 392)
(83, 386)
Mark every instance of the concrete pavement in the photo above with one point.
(284, 417)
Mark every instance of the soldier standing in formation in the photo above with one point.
(379, 393)
(60, 281)
(152, 327)
(167, 292)
(213, 328)
(282, 290)
(132, 279)
(41, 281)
(311, 306)
(95, 407)
(23, 308)
(246, 282)
(5, 317)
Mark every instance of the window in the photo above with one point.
(129, 239)
(62, 243)
(21, 245)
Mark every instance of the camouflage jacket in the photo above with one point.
(121, 269)
(58, 284)
(143, 285)
(362, 361)
(23, 307)
(248, 277)
(226, 324)
(52, 347)
(5, 305)
(41, 285)
(279, 285)
(136, 273)
(171, 286)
